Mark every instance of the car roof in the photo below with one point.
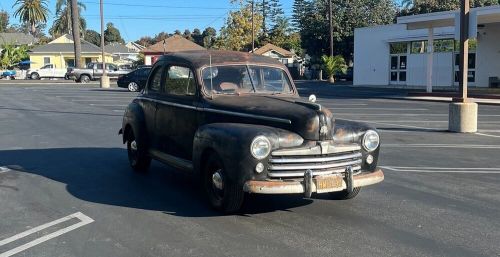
(200, 58)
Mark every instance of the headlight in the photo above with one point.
(371, 140)
(261, 147)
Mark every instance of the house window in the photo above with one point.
(46, 60)
(444, 45)
(418, 47)
(87, 60)
(398, 48)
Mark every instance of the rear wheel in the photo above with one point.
(133, 87)
(84, 78)
(223, 194)
(35, 76)
(344, 195)
(137, 154)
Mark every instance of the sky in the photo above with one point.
(149, 17)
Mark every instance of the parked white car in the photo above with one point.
(47, 71)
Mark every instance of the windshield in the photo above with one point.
(236, 79)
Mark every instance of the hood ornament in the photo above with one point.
(312, 98)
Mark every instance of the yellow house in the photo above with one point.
(60, 52)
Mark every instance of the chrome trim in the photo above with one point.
(295, 174)
(312, 166)
(317, 150)
(319, 159)
(246, 115)
(167, 103)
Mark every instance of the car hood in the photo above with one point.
(311, 121)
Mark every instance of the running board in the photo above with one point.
(173, 161)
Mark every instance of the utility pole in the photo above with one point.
(464, 50)
(104, 77)
(331, 26)
(462, 112)
(253, 26)
(75, 27)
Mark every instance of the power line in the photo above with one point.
(172, 6)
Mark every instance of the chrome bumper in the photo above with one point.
(308, 185)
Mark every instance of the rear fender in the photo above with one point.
(133, 119)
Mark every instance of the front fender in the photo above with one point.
(348, 132)
(231, 141)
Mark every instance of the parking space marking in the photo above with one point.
(96, 100)
(95, 96)
(384, 109)
(84, 220)
(486, 135)
(3, 169)
(443, 170)
(410, 114)
(403, 126)
(109, 105)
(466, 146)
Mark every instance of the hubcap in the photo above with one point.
(132, 86)
(133, 145)
(217, 180)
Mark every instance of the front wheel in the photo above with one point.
(344, 195)
(133, 87)
(223, 194)
(35, 76)
(137, 154)
(84, 78)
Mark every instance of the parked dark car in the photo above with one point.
(135, 80)
(236, 121)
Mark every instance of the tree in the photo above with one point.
(4, 20)
(32, 12)
(112, 34)
(177, 32)
(160, 37)
(12, 55)
(236, 34)
(270, 11)
(426, 6)
(197, 37)
(209, 36)
(63, 21)
(333, 65)
(145, 41)
(93, 37)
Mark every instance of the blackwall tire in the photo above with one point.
(226, 199)
(35, 76)
(84, 78)
(344, 195)
(138, 158)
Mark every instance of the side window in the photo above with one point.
(179, 81)
(155, 82)
(99, 66)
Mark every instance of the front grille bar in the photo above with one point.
(300, 159)
(290, 174)
(314, 166)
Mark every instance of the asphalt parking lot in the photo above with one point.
(66, 188)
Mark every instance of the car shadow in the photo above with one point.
(102, 175)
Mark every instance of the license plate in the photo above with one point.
(323, 183)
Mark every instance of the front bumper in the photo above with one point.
(303, 186)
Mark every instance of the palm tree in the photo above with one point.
(62, 24)
(332, 65)
(31, 12)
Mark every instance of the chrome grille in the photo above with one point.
(322, 159)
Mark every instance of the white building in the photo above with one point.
(399, 54)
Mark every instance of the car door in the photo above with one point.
(142, 76)
(97, 70)
(177, 117)
(149, 102)
(112, 70)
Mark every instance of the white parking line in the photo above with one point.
(109, 105)
(443, 170)
(442, 146)
(4, 169)
(384, 109)
(486, 135)
(403, 126)
(409, 114)
(94, 96)
(96, 100)
(84, 220)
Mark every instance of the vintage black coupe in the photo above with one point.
(236, 121)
